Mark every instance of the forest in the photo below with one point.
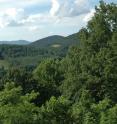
(72, 84)
(33, 53)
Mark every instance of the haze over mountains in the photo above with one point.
(53, 41)
(17, 42)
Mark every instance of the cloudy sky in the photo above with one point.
(35, 19)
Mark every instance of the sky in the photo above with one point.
(34, 19)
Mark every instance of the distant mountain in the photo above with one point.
(56, 41)
(17, 42)
(50, 41)
(21, 53)
(45, 42)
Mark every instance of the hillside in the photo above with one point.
(56, 40)
(45, 42)
(31, 54)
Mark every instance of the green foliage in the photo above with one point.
(49, 77)
(92, 66)
(22, 78)
(90, 69)
(56, 111)
(79, 89)
(15, 108)
(4, 63)
(48, 72)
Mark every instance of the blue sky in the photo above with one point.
(35, 19)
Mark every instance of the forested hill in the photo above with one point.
(57, 45)
(47, 41)
(57, 41)
(17, 53)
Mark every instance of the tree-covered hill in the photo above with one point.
(56, 39)
(53, 46)
(45, 42)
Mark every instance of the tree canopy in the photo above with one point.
(81, 88)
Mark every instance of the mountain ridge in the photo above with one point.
(56, 39)
(46, 41)
(15, 42)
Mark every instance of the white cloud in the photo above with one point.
(59, 16)
(33, 28)
(89, 15)
(31, 18)
(22, 2)
(3, 23)
(55, 7)
(9, 16)
(60, 9)
(69, 8)
(13, 12)
(40, 19)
